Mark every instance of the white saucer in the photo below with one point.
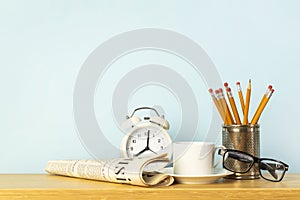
(197, 179)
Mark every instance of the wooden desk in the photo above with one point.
(43, 186)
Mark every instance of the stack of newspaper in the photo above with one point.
(135, 171)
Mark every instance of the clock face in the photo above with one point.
(148, 140)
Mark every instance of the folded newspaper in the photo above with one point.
(135, 171)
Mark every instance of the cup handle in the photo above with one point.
(213, 160)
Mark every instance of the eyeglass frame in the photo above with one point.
(257, 160)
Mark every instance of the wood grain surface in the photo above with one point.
(44, 186)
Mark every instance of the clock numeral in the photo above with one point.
(159, 140)
(131, 148)
(161, 147)
(133, 141)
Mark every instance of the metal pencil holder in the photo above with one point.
(244, 138)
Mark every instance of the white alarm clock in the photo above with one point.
(147, 137)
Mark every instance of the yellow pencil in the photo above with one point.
(225, 105)
(247, 104)
(233, 106)
(217, 104)
(262, 100)
(261, 108)
(222, 106)
(241, 97)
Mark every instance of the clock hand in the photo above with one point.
(146, 149)
(152, 151)
(148, 138)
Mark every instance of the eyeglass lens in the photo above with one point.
(237, 162)
(271, 170)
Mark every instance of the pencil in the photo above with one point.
(226, 86)
(217, 104)
(228, 115)
(261, 108)
(233, 106)
(222, 106)
(247, 104)
(262, 100)
(238, 84)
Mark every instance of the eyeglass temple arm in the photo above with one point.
(271, 168)
(238, 156)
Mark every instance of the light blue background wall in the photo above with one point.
(44, 43)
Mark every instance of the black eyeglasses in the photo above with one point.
(241, 162)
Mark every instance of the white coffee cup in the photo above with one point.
(194, 158)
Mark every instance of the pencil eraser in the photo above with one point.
(220, 89)
(238, 83)
(270, 87)
(217, 91)
(226, 84)
(228, 89)
(210, 90)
